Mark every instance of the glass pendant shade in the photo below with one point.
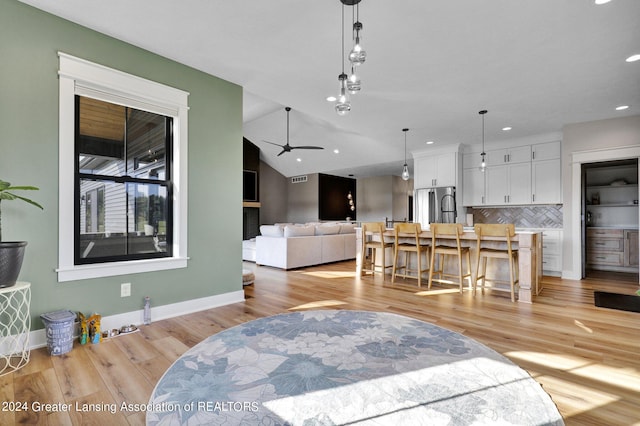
(483, 164)
(357, 56)
(343, 106)
(353, 83)
(405, 172)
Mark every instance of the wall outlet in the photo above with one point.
(125, 289)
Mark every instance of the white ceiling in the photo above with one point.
(431, 66)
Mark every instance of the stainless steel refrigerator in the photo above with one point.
(434, 205)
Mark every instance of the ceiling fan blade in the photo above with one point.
(281, 152)
(307, 147)
(276, 144)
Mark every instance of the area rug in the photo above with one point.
(346, 367)
(622, 302)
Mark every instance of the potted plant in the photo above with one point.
(12, 252)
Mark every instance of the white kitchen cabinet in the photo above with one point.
(473, 187)
(545, 151)
(435, 170)
(508, 184)
(546, 179)
(518, 154)
(552, 252)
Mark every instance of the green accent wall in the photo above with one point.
(29, 42)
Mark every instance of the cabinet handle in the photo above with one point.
(533, 196)
(533, 154)
(483, 199)
(600, 257)
(509, 158)
(504, 158)
(599, 244)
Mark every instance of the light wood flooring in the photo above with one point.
(586, 358)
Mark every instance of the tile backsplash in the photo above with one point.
(547, 216)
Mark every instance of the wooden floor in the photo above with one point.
(586, 358)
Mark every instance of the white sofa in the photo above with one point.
(289, 246)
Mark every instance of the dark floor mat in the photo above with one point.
(623, 302)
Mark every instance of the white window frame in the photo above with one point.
(80, 77)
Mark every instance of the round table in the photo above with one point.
(15, 324)
(346, 367)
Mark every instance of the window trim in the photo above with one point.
(79, 76)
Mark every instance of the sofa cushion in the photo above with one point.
(299, 231)
(327, 229)
(271, 230)
(348, 228)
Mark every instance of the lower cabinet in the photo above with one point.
(612, 249)
(631, 248)
(552, 252)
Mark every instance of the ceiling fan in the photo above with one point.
(286, 147)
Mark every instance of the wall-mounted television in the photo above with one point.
(250, 185)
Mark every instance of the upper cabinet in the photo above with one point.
(522, 175)
(435, 170)
(519, 154)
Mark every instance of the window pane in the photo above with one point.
(105, 221)
(101, 137)
(122, 219)
(146, 146)
(114, 140)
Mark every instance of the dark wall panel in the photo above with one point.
(333, 200)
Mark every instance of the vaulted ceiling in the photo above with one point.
(431, 66)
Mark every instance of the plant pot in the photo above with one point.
(11, 255)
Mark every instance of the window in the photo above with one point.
(122, 173)
(123, 183)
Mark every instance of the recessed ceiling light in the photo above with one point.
(336, 151)
(602, 1)
(622, 107)
(506, 129)
(429, 142)
(298, 160)
(633, 58)
(331, 98)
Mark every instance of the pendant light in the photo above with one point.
(405, 168)
(353, 83)
(483, 163)
(343, 106)
(357, 56)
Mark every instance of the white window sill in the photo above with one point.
(99, 270)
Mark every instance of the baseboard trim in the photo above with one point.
(38, 339)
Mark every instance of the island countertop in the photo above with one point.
(529, 244)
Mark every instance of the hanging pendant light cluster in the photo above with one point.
(350, 84)
(483, 163)
(405, 168)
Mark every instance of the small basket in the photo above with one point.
(59, 327)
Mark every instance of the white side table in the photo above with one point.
(15, 324)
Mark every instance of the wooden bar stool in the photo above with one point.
(439, 230)
(399, 245)
(507, 231)
(374, 242)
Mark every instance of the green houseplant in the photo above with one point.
(12, 252)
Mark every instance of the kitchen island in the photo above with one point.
(528, 243)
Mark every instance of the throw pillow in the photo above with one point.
(348, 228)
(327, 229)
(271, 230)
(299, 231)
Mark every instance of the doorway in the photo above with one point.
(610, 219)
